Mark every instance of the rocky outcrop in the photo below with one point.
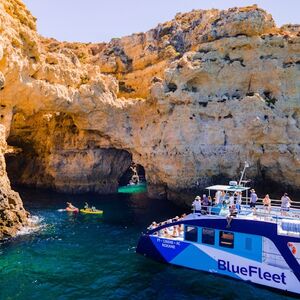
(13, 216)
(189, 100)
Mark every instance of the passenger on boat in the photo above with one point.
(167, 233)
(217, 197)
(197, 204)
(238, 201)
(153, 225)
(231, 199)
(232, 213)
(205, 203)
(210, 202)
(175, 232)
(267, 203)
(285, 204)
(253, 199)
(175, 219)
(222, 198)
(86, 206)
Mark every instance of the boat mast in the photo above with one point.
(243, 172)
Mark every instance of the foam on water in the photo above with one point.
(35, 223)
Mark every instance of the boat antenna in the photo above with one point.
(243, 172)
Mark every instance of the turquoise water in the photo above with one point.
(89, 257)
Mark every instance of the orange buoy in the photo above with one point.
(292, 248)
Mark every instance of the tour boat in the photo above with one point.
(258, 246)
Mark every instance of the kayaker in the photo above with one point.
(86, 205)
(71, 207)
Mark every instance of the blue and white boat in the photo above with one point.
(258, 246)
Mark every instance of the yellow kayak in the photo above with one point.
(89, 211)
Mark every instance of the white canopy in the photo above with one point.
(228, 188)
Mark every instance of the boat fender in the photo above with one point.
(292, 248)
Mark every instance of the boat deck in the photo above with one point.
(288, 224)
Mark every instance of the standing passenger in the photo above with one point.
(253, 199)
(285, 204)
(217, 197)
(205, 203)
(238, 201)
(197, 205)
(267, 203)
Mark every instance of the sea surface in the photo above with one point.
(75, 256)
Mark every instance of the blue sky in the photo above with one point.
(98, 20)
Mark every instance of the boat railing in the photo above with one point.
(288, 221)
(274, 202)
(245, 210)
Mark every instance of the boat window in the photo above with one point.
(208, 236)
(226, 239)
(191, 233)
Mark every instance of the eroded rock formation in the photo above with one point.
(12, 214)
(189, 100)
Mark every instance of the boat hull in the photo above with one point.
(91, 212)
(206, 258)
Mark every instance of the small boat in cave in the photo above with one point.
(253, 245)
(140, 187)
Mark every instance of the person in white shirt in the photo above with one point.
(217, 197)
(197, 204)
(285, 204)
(231, 199)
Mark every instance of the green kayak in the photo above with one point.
(133, 189)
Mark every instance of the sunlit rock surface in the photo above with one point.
(188, 100)
(13, 216)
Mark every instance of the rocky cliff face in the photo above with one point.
(189, 100)
(12, 214)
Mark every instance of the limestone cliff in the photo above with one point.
(12, 214)
(189, 100)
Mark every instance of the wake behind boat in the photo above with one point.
(249, 244)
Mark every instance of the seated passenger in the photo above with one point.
(232, 213)
(175, 232)
(181, 230)
(166, 233)
(182, 216)
(152, 226)
(86, 206)
(71, 207)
